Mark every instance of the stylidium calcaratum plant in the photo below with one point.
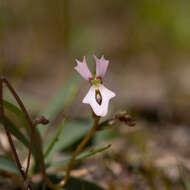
(98, 97)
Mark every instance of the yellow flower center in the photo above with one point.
(95, 82)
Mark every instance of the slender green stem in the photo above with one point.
(78, 150)
(79, 157)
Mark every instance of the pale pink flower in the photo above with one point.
(98, 96)
(101, 66)
(83, 70)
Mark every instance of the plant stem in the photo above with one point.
(23, 174)
(29, 154)
(33, 134)
(78, 150)
(27, 118)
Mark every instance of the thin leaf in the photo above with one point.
(80, 156)
(20, 136)
(54, 140)
(14, 109)
(15, 132)
(8, 165)
(71, 133)
(61, 101)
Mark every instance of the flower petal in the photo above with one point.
(101, 66)
(82, 69)
(90, 98)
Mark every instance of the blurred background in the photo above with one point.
(147, 43)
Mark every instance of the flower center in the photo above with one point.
(95, 81)
(98, 97)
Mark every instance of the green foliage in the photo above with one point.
(14, 109)
(14, 130)
(81, 184)
(70, 134)
(54, 140)
(8, 165)
(61, 101)
(80, 156)
(17, 133)
(73, 183)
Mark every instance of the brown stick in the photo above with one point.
(33, 133)
(23, 174)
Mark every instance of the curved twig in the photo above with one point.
(22, 172)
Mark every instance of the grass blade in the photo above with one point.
(13, 129)
(54, 140)
(14, 109)
(80, 156)
(8, 165)
(15, 132)
(71, 133)
(61, 101)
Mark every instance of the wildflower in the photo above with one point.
(98, 96)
